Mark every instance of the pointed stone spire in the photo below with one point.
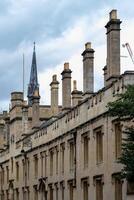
(33, 83)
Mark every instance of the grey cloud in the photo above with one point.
(49, 18)
(24, 21)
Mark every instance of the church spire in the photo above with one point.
(33, 86)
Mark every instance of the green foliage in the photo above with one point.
(121, 108)
(127, 157)
(124, 105)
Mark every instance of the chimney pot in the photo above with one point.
(113, 14)
(66, 65)
(88, 45)
(74, 85)
(54, 78)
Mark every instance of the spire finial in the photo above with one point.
(34, 46)
(33, 83)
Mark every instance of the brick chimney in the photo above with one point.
(66, 87)
(113, 46)
(54, 95)
(88, 69)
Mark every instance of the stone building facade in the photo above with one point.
(66, 152)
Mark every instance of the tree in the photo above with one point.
(123, 108)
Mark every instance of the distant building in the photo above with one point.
(66, 152)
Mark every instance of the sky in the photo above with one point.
(60, 29)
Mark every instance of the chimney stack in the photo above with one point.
(54, 95)
(24, 119)
(76, 95)
(66, 87)
(113, 47)
(16, 98)
(35, 109)
(88, 69)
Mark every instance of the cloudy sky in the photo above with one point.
(60, 29)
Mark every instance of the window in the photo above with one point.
(35, 193)
(56, 189)
(2, 195)
(57, 156)
(99, 187)
(51, 162)
(2, 176)
(45, 164)
(23, 193)
(23, 166)
(118, 189)
(12, 165)
(71, 190)
(71, 155)
(85, 190)
(62, 157)
(99, 146)
(7, 194)
(27, 193)
(17, 171)
(99, 190)
(41, 157)
(35, 166)
(7, 171)
(51, 192)
(62, 189)
(85, 148)
(130, 187)
(28, 168)
(118, 140)
(17, 194)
